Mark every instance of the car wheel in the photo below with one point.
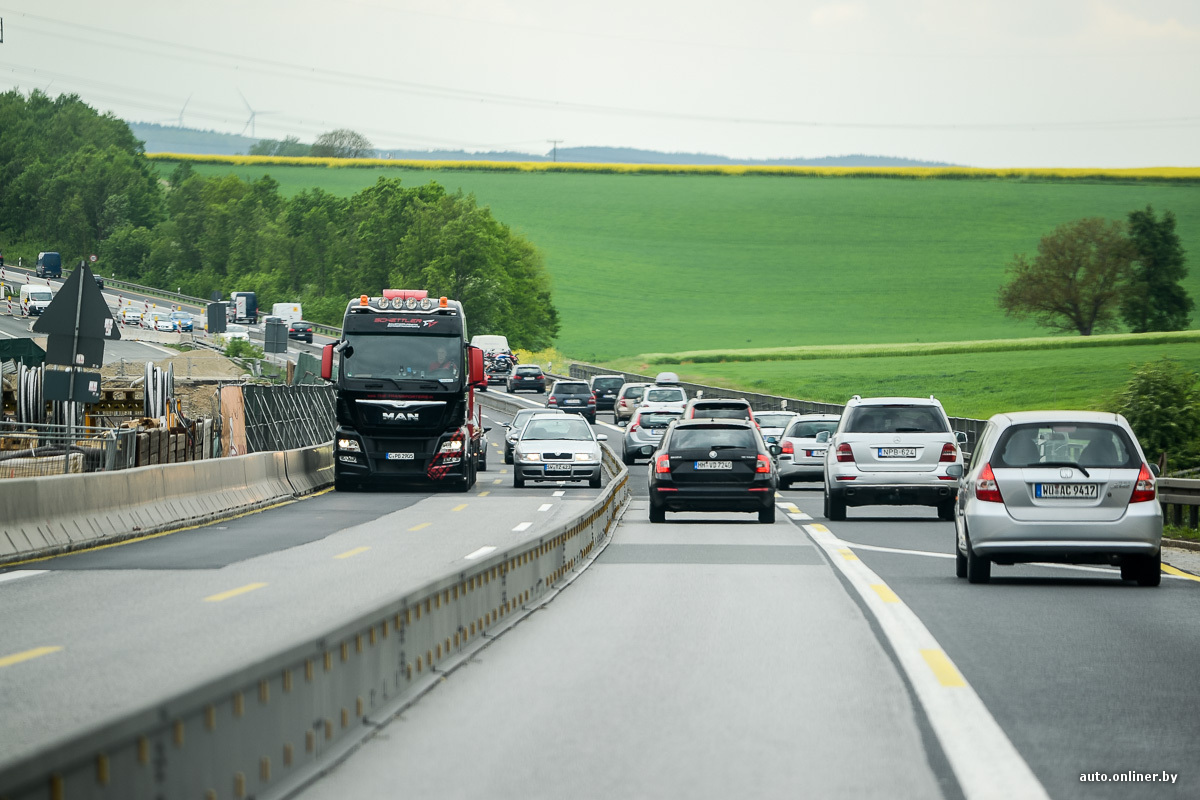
(483, 388)
(785, 484)
(767, 515)
(592, 419)
(518, 480)
(629, 458)
(835, 507)
(343, 484)
(657, 513)
(483, 453)
(1149, 570)
(595, 481)
(946, 511)
(979, 568)
(508, 455)
(960, 563)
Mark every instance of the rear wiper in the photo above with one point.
(910, 430)
(1079, 467)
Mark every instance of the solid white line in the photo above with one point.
(800, 515)
(480, 553)
(17, 574)
(559, 494)
(523, 526)
(981, 755)
(546, 507)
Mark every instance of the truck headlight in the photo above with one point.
(452, 446)
(349, 444)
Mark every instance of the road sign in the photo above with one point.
(77, 322)
(57, 385)
(92, 258)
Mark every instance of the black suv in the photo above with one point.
(527, 377)
(300, 330)
(574, 397)
(605, 387)
(713, 465)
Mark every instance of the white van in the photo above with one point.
(288, 312)
(491, 344)
(34, 299)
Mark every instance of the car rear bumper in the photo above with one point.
(994, 533)
(811, 470)
(893, 494)
(712, 498)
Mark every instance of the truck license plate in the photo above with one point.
(399, 456)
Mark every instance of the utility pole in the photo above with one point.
(554, 152)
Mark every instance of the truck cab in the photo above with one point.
(35, 299)
(405, 403)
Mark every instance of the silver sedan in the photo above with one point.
(557, 447)
(1059, 486)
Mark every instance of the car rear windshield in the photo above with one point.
(529, 370)
(810, 428)
(712, 438)
(608, 383)
(767, 420)
(1088, 445)
(896, 419)
(569, 428)
(572, 388)
(664, 395)
(656, 419)
(721, 412)
(634, 392)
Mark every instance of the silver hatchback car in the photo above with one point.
(1059, 486)
(801, 456)
(558, 447)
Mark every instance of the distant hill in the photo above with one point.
(172, 139)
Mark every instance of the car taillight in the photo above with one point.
(1144, 489)
(662, 464)
(986, 488)
(787, 448)
(949, 453)
(764, 464)
(845, 453)
(633, 426)
(552, 401)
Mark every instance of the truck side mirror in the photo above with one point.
(327, 362)
(475, 374)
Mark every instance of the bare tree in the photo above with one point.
(1076, 280)
(342, 143)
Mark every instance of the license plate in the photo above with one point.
(573, 402)
(656, 432)
(897, 452)
(713, 465)
(399, 456)
(815, 453)
(558, 468)
(1069, 491)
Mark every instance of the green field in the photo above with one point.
(655, 263)
(968, 384)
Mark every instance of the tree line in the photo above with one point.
(77, 181)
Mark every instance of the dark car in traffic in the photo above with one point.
(713, 465)
(574, 397)
(301, 330)
(527, 378)
(605, 387)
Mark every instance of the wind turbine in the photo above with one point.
(185, 104)
(250, 122)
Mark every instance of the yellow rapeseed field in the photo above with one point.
(944, 173)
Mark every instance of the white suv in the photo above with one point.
(892, 451)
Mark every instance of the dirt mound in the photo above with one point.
(192, 364)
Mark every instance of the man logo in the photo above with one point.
(401, 416)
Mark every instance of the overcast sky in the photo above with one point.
(978, 82)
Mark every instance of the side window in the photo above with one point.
(984, 445)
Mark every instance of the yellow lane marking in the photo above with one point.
(885, 593)
(249, 587)
(943, 670)
(819, 528)
(503, 472)
(497, 481)
(1167, 568)
(459, 507)
(847, 554)
(483, 494)
(352, 553)
(418, 527)
(17, 658)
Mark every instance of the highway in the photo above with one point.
(707, 657)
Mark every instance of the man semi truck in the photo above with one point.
(405, 393)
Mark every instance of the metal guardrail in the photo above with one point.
(770, 402)
(266, 729)
(1180, 500)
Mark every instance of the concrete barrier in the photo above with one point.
(266, 729)
(57, 514)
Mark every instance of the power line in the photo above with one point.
(554, 151)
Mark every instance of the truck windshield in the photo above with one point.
(393, 357)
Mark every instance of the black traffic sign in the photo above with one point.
(77, 322)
